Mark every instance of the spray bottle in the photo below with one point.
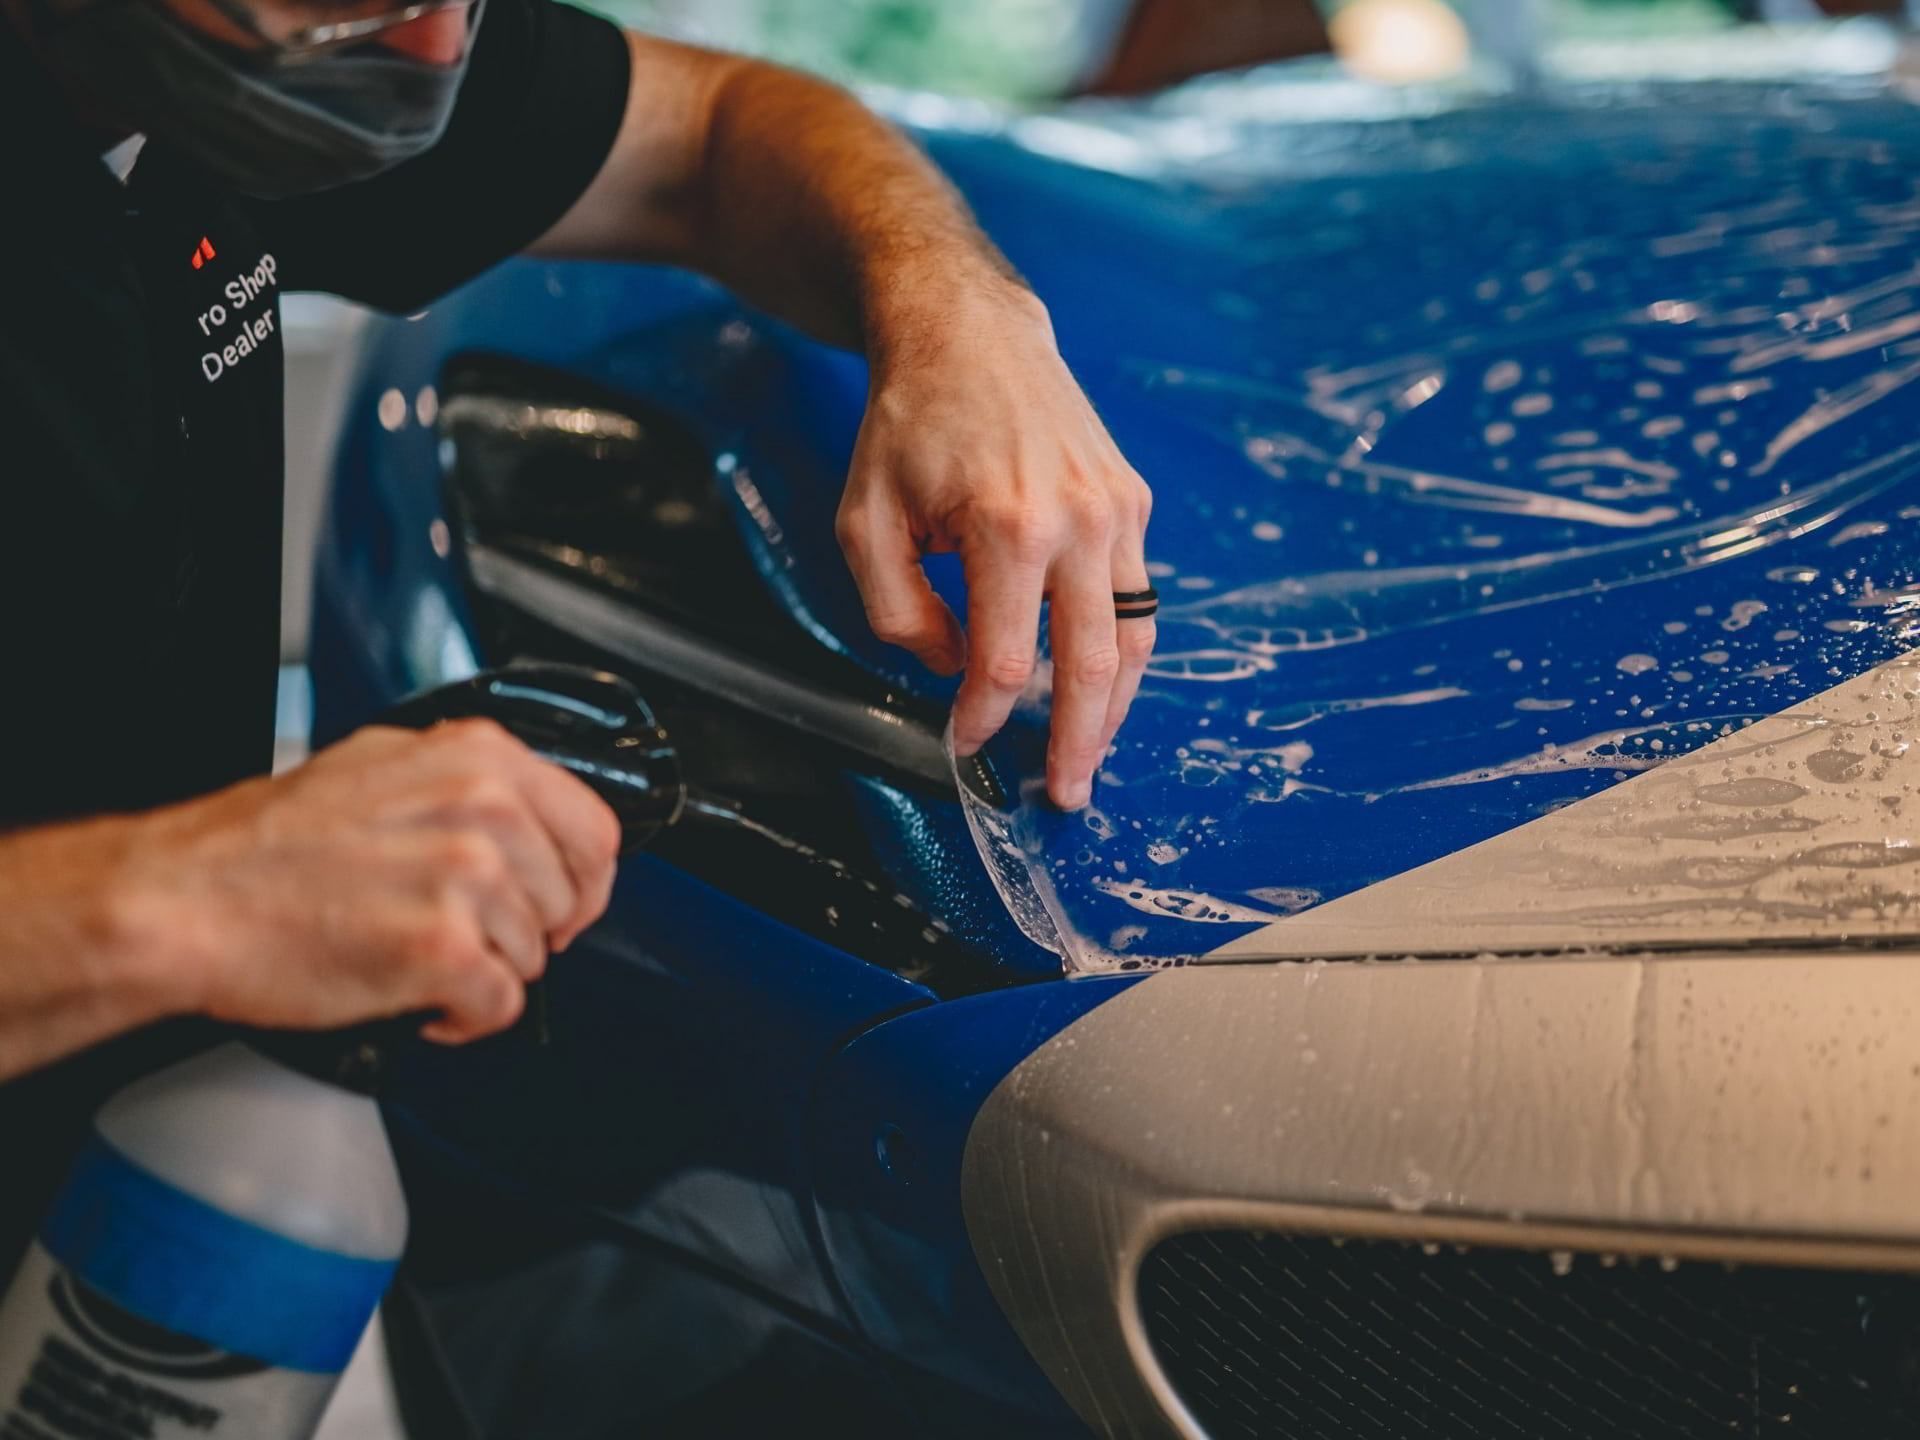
(210, 1263)
(233, 1221)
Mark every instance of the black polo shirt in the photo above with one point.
(141, 439)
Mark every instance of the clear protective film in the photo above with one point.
(1496, 653)
(1081, 883)
(1004, 797)
(1499, 454)
(1480, 488)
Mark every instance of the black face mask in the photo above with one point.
(269, 126)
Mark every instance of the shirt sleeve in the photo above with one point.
(536, 117)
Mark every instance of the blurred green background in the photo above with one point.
(1034, 49)
(1004, 48)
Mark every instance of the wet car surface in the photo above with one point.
(1501, 454)
(1551, 443)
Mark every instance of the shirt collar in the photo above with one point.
(120, 158)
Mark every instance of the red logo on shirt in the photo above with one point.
(203, 253)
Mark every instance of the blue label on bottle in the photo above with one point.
(178, 1262)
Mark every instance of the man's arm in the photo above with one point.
(976, 440)
(394, 873)
(785, 188)
(71, 971)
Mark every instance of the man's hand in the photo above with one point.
(977, 440)
(394, 872)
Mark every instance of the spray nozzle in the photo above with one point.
(588, 722)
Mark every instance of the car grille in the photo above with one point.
(1273, 1335)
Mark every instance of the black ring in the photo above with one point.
(1135, 597)
(1136, 604)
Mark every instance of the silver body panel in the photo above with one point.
(1801, 828)
(1700, 1096)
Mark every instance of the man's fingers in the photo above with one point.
(594, 904)
(1003, 631)
(558, 838)
(476, 988)
(1086, 662)
(583, 830)
(1135, 637)
(514, 933)
(488, 1001)
(535, 865)
(902, 608)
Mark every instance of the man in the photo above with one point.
(149, 871)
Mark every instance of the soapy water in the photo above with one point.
(1626, 475)
(1010, 850)
(1500, 453)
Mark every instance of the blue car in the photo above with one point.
(1480, 1000)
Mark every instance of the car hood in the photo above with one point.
(1499, 453)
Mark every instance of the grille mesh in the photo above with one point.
(1301, 1338)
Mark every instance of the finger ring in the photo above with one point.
(1136, 604)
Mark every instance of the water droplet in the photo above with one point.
(392, 410)
(1501, 375)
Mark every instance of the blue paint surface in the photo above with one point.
(1496, 457)
(891, 1122)
(1497, 453)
